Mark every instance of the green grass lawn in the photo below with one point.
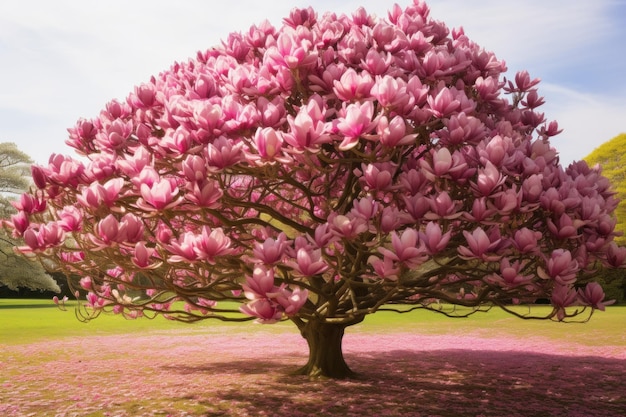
(27, 321)
(49, 363)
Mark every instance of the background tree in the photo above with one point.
(321, 172)
(611, 157)
(17, 271)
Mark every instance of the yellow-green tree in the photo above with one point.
(17, 271)
(611, 156)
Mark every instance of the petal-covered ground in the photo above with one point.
(220, 374)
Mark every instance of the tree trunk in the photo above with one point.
(325, 353)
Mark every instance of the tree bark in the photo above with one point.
(325, 351)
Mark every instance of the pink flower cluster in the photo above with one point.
(319, 169)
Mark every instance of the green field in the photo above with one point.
(27, 321)
(489, 364)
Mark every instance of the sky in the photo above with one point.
(65, 59)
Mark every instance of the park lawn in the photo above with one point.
(490, 364)
(604, 327)
(28, 321)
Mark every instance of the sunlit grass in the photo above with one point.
(603, 326)
(27, 321)
(52, 364)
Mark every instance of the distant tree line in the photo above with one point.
(19, 277)
(611, 158)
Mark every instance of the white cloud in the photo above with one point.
(587, 120)
(530, 32)
(65, 59)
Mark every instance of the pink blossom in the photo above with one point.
(384, 268)
(393, 133)
(271, 250)
(512, 273)
(144, 96)
(406, 248)
(565, 227)
(163, 233)
(616, 255)
(115, 135)
(532, 188)
(445, 164)
(442, 206)
(525, 240)
(63, 170)
(523, 82)
(489, 178)
(160, 195)
(481, 211)
(108, 230)
(479, 245)
(19, 222)
(194, 168)
(292, 301)
(352, 86)
(205, 193)
(507, 201)
(442, 161)
(71, 219)
(355, 122)
(434, 239)
(72, 257)
(269, 143)
(393, 93)
(462, 128)
(262, 308)
(292, 51)
(444, 103)
(562, 296)
(378, 176)
(366, 208)
(142, 256)
(391, 219)
(593, 295)
(183, 248)
(223, 153)
(134, 164)
(346, 226)
(377, 63)
(212, 243)
(560, 267)
(309, 262)
(40, 176)
(60, 302)
(46, 235)
(417, 206)
(259, 284)
(323, 235)
(86, 283)
(30, 204)
(307, 129)
(131, 228)
(96, 194)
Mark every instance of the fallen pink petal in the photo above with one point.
(229, 372)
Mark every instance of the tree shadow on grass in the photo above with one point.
(423, 383)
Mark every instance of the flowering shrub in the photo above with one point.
(320, 171)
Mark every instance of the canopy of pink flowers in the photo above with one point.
(323, 169)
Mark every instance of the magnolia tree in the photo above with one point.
(319, 172)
